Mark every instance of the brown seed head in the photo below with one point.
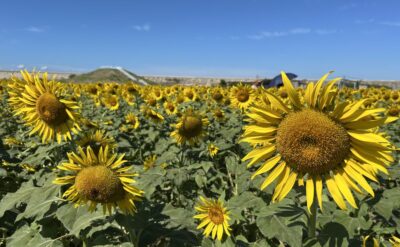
(51, 110)
(311, 142)
(99, 184)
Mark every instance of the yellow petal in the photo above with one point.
(335, 193)
(309, 192)
(344, 189)
(273, 175)
(220, 232)
(268, 165)
(318, 189)
(293, 96)
(288, 185)
(277, 103)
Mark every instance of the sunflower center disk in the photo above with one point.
(311, 142)
(191, 127)
(216, 215)
(51, 110)
(99, 184)
(242, 96)
(218, 113)
(217, 96)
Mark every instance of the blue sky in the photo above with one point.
(230, 38)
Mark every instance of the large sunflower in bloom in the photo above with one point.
(214, 217)
(191, 127)
(44, 106)
(320, 141)
(99, 178)
(241, 96)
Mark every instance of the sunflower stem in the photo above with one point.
(312, 219)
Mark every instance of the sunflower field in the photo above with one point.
(111, 164)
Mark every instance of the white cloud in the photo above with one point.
(348, 6)
(44, 67)
(390, 23)
(145, 27)
(300, 31)
(358, 21)
(20, 66)
(325, 31)
(34, 29)
(295, 31)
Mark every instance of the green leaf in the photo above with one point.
(150, 179)
(40, 201)
(280, 228)
(30, 236)
(352, 224)
(12, 200)
(179, 217)
(77, 219)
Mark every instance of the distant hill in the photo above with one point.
(107, 75)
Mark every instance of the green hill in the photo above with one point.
(105, 75)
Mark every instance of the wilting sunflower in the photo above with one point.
(149, 162)
(11, 142)
(367, 241)
(132, 120)
(151, 114)
(212, 149)
(191, 127)
(321, 141)
(99, 178)
(241, 96)
(214, 217)
(96, 140)
(45, 107)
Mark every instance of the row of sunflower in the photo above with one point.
(315, 137)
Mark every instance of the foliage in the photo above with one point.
(32, 212)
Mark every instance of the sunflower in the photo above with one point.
(150, 100)
(241, 96)
(217, 94)
(219, 114)
(93, 90)
(212, 149)
(132, 120)
(129, 98)
(321, 141)
(44, 106)
(131, 88)
(190, 94)
(99, 178)
(170, 108)
(96, 140)
(157, 93)
(191, 127)
(111, 101)
(214, 217)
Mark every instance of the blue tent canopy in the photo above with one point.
(277, 80)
